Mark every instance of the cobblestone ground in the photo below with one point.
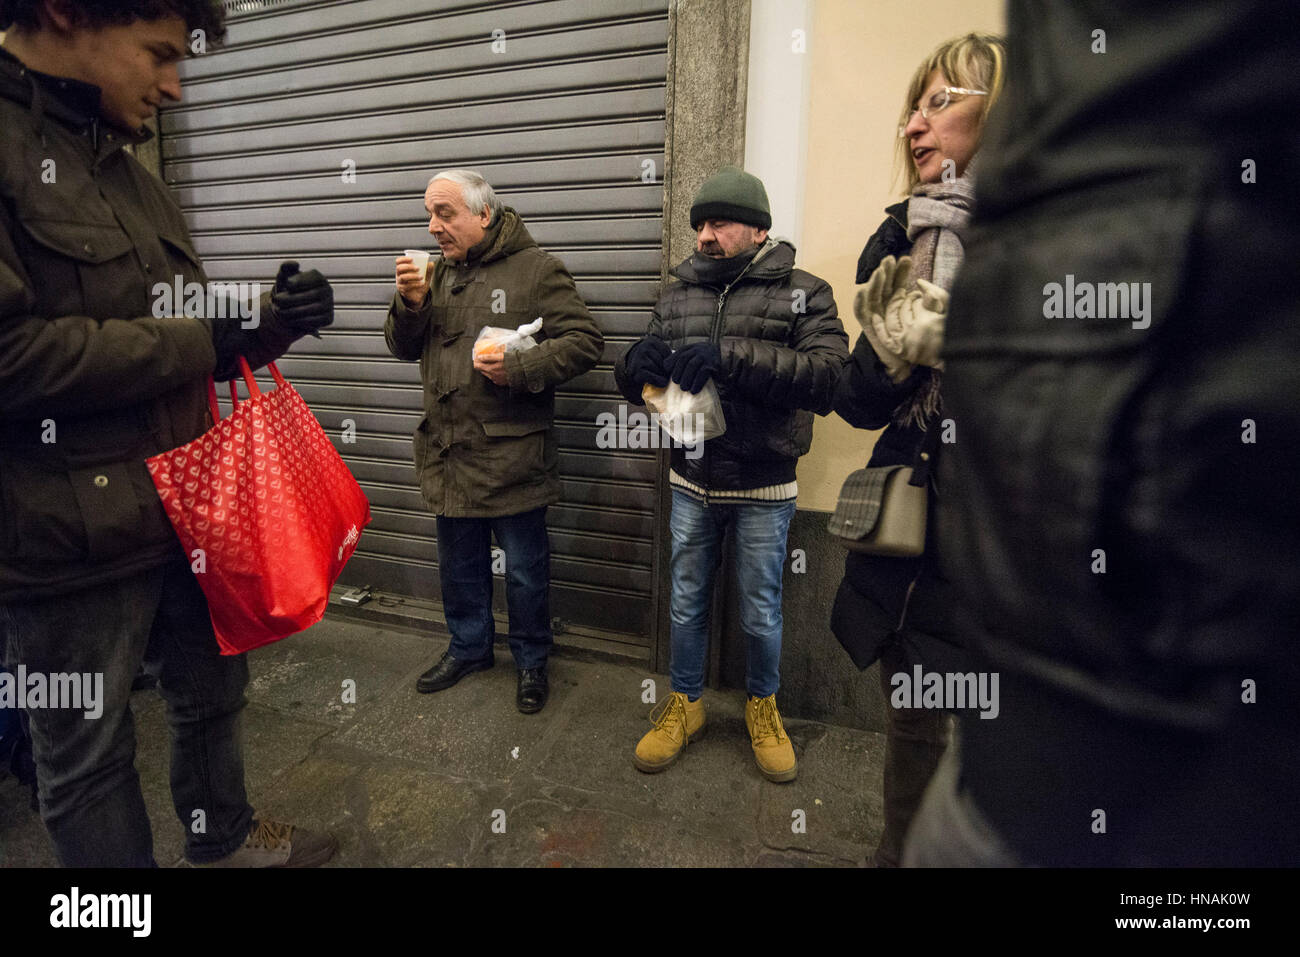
(462, 779)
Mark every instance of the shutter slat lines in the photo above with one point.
(564, 123)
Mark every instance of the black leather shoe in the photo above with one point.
(533, 690)
(448, 671)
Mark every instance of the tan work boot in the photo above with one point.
(677, 721)
(773, 751)
(276, 844)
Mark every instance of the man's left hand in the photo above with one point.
(493, 366)
(691, 367)
(302, 302)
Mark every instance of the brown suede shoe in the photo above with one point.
(276, 844)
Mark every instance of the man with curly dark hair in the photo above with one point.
(94, 380)
(206, 15)
(127, 48)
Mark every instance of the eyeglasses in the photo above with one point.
(938, 101)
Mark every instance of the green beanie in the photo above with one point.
(732, 194)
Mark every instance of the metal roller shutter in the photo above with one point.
(561, 122)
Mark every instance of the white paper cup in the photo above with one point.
(419, 258)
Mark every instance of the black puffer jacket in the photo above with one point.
(783, 347)
(882, 598)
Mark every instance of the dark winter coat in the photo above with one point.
(782, 347)
(91, 383)
(484, 450)
(881, 598)
(1161, 685)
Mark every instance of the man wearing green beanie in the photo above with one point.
(767, 336)
(732, 194)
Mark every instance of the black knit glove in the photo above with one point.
(302, 302)
(693, 365)
(645, 362)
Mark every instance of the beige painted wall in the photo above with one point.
(863, 54)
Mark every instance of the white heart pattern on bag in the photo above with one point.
(252, 485)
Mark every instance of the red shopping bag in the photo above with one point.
(273, 507)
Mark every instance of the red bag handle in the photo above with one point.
(234, 393)
(212, 401)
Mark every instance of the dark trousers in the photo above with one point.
(465, 571)
(915, 741)
(89, 790)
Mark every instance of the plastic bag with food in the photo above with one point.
(690, 419)
(495, 341)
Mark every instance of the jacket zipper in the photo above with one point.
(715, 337)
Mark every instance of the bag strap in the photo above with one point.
(924, 457)
(212, 400)
(251, 382)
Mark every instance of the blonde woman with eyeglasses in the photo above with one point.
(897, 610)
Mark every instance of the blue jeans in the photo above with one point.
(760, 534)
(85, 767)
(465, 570)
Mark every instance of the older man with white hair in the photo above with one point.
(485, 451)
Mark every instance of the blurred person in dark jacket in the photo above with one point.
(899, 610)
(1120, 508)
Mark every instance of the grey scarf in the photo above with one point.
(937, 217)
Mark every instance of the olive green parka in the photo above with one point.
(484, 450)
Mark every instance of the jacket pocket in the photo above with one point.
(516, 452)
(87, 514)
(92, 243)
(183, 260)
(110, 509)
(421, 444)
(858, 623)
(42, 516)
(80, 265)
(88, 499)
(498, 429)
(179, 249)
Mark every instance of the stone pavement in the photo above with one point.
(411, 780)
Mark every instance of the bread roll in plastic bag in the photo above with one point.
(687, 418)
(495, 341)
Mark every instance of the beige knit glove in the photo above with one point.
(922, 318)
(879, 307)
